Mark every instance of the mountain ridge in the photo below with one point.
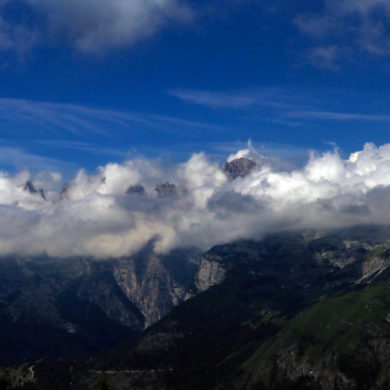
(219, 337)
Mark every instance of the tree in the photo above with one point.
(104, 383)
(4, 384)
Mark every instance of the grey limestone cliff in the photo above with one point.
(211, 272)
(61, 307)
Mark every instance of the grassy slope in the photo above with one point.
(348, 332)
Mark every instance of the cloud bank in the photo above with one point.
(94, 216)
(91, 26)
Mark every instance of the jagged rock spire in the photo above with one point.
(29, 187)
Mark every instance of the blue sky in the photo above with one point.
(84, 83)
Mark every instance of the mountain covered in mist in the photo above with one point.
(52, 307)
(291, 311)
(216, 317)
(115, 210)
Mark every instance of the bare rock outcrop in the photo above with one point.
(165, 189)
(136, 189)
(29, 187)
(239, 168)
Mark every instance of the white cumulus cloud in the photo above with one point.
(95, 216)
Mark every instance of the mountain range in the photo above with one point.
(295, 310)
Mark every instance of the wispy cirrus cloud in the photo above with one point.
(326, 57)
(20, 159)
(338, 116)
(278, 105)
(57, 119)
(87, 135)
(266, 96)
(213, 99)
(17, 38)
(85, 147)
(52, 117)
(342, 26)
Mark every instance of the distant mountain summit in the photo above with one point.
(239, 167)
(165, 189)
(136, 189)
(29, 187)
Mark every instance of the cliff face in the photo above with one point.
(65, 307)
(155, 284)
(313, 263)
(211, 272)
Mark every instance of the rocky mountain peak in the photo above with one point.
(165, 189)
(136, 189)
(29, 187)
(239, 167)
(42, 193)
(65, 190)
